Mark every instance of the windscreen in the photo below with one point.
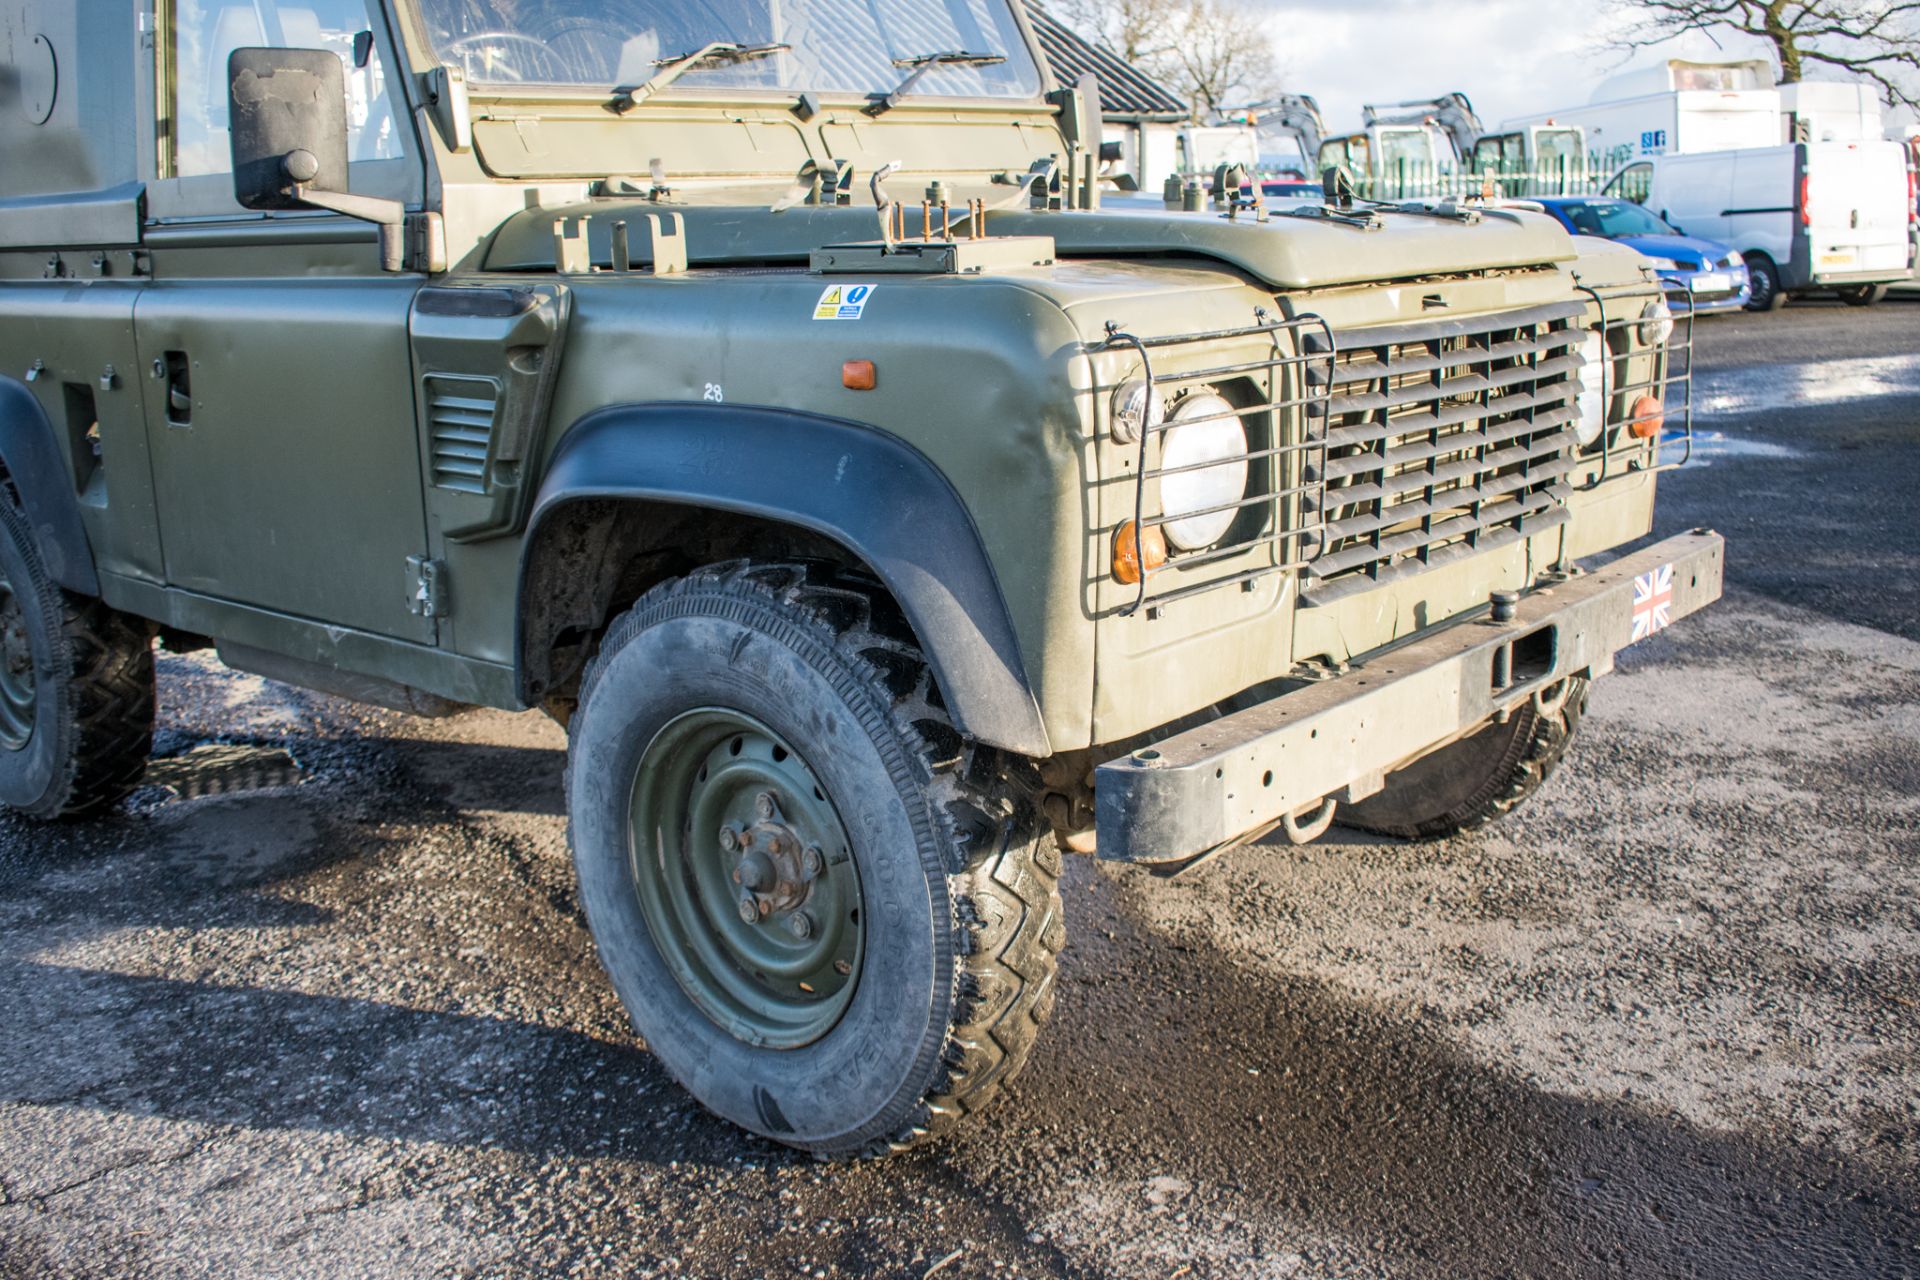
(1411, 147)
(1556, 147)
(1613, 218)
(836, 46)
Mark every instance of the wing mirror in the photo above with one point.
(289, 137)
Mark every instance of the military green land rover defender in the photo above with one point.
(763, 391)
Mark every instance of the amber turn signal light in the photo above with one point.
(1127, 546)
(1649, 417)
(857, 375)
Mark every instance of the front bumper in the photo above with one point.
(1338, 739)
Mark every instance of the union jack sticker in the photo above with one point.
(1652, 602)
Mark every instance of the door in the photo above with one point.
(279, 400)
(1856, 207)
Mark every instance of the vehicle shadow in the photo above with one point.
(1362, 1125)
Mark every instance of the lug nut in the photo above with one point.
(729, 839)
(800, 925)
(749, 909)
(764, 805)
(813, 862)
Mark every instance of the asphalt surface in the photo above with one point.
(342, 1017)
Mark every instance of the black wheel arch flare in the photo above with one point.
(865, 489)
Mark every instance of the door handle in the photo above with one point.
(172, 369)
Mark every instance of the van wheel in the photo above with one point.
(832, 919)
(1863, 295)
(76, 689)
(1488, 774)
(1764, 276)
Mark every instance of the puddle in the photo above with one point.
(1711, 445)
(223, 769)
(1763, 388)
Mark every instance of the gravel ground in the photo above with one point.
(345, 1019)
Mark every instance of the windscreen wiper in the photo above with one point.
(717, 53)
(923, 63)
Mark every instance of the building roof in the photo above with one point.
(1125, 90)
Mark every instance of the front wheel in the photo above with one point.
(1763, 275)
(1485, 775)
(833, 920)
(1863, 295)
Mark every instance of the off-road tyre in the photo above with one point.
(1470, 783)
(1864, 295)
(981, 865)
(93, 698)
(1763, 277)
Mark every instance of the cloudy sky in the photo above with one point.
(1509, 56)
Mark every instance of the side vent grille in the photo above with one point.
(460, 417)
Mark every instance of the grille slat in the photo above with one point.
(460, 422)
(1443, 440)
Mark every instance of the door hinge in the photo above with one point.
(429, 586)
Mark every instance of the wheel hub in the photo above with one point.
(745, 874)
(775, 868)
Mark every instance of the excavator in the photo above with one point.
(1428, 146)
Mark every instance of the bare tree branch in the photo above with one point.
(1210, 52)
(1877, 41)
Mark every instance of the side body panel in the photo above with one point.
(292, 480)
(72, 428)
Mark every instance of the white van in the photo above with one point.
(1810, 215)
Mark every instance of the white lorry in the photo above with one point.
(1805, 215)
(1673, 108)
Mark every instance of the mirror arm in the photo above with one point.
(389, 215)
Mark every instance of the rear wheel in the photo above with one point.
(833, 920)
(1763, 274)
(1863, 295)
(1484, 776)
(76, 689)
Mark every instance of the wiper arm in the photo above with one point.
(717, 53)
(923, 63)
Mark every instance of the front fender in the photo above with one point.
(866, 490)
(30, 451)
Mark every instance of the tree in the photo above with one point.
(1875, 40)
(1210, 52)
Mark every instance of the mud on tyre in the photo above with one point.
(833, 920)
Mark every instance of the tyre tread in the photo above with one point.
(1003, 874)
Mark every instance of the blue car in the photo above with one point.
(1712, 273)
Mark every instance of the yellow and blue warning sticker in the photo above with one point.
(842, 301)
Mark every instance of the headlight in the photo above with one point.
(1667, 264)
(1138, 407)
(1205, 429)
(1593, 390)
(1656, 323)
(1734, 259)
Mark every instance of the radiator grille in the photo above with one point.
(460, 418)
(1442, 440)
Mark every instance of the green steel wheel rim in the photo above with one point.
(17, 683)
(745, 876)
